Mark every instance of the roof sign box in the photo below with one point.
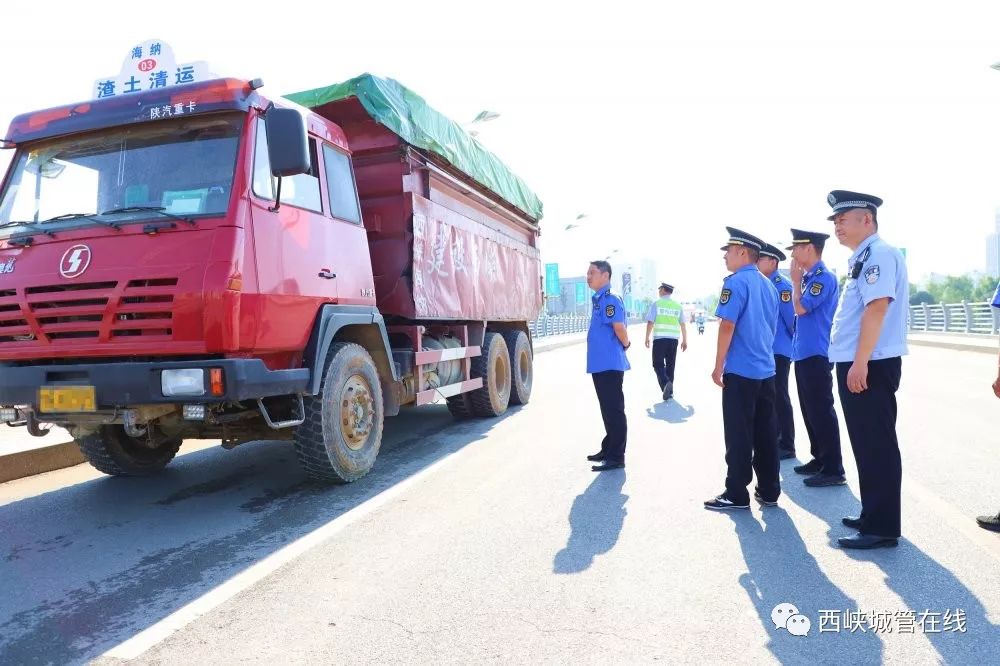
(148, 66)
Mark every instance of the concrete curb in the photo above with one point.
(58, 456)
(559, 345)
(38, 461)
(956, 345)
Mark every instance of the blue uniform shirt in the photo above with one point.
(876, 270)
(819, 297)
(785, 329)
(996, 297)
(604, 349)
(750, 301)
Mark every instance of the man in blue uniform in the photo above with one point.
(815, 301)
(992, 523)
(770, 257)
(867, 343)
(744, 368)
(607, 340)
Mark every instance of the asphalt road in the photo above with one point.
(493, 541)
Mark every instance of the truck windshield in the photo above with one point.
(182, 167)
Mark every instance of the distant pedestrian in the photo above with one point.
(744, 368)
(867, 343)
(665, 323)
(607, 341)
(770, 257)
(815, 301)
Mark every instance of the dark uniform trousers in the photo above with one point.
(783, 405)
(871, 424)
(612, 400)
(751, 441)
(664, 360)
(814, 378)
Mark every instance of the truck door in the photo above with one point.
(293, 248)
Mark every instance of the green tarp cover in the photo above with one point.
(407, 114)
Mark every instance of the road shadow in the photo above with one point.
(596, 519)
(87, 566)
(670, 411)
(924, 584)
(780, 570)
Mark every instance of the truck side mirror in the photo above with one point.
(287, 144)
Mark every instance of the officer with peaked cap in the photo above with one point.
(988, 522)
(770, 257)
(815, 301)
(744, 368)
(867, 343)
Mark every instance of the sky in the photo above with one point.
(663, 122)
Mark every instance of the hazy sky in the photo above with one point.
(663, 125)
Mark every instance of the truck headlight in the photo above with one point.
(182, 382)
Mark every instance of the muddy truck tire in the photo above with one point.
(342, 432)
(113, 452)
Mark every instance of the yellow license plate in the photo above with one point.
(67, 399)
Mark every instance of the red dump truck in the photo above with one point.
(197, 261)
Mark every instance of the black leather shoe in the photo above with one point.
(812, 467)
(597, 457)
(853, 523)
(786, 455)
(991, 523)
(607, 466)
(867, 541)
(763, 502)
(820, 480)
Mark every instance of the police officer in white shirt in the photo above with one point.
(867, 343)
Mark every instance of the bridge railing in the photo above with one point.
(962, 317)
(563, 324)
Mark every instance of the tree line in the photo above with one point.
(954, 289)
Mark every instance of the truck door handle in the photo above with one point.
(327, 273)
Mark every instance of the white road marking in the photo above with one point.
(157, 633)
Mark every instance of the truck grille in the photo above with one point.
(104, 311)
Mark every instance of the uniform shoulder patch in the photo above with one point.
(816, 288)
(786, 296)
(724, 296)
(872, 274)
(609, 310)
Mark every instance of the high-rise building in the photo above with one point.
(993, 249)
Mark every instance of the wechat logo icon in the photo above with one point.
(787, 617)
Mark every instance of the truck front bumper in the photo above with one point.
(122, 384)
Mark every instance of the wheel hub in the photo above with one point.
(357, 413)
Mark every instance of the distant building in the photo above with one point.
(993, 249)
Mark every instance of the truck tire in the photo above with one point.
(460, 406)
(493, 365)
(342, 432)
(521, 368)
(113, 452)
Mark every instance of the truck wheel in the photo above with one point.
(342, 431)
(460, 406)
(493, 365)
(521, 369)
(113, 452)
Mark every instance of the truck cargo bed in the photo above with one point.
(443, 245)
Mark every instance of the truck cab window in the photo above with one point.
(301, 190)
(340, 183)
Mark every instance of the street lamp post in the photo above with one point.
(482, 117)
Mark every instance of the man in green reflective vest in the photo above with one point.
(665, 323)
